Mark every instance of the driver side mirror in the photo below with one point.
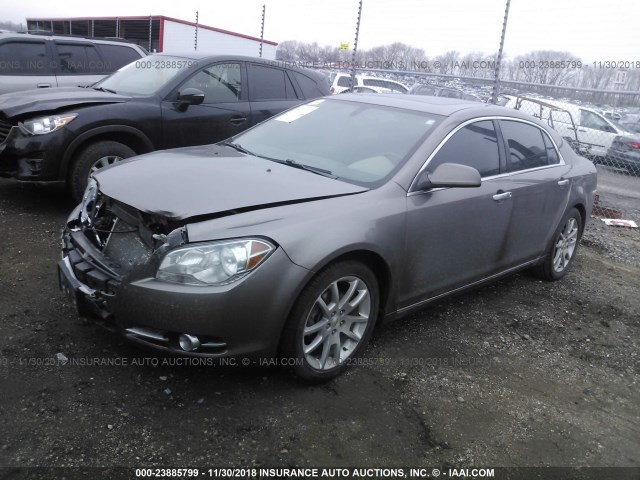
(452, 175)
(609, 129)
(190, 96)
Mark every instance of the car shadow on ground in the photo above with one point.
(46, 199)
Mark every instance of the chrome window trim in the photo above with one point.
(505, 174)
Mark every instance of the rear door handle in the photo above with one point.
(44, 85)
(238, 120)
(501, 196)
(562, 183)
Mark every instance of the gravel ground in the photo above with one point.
(519, 373)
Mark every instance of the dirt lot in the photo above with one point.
(520, 373)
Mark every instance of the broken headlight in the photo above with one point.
(44, 125)
(216, 263)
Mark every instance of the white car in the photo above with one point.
(342, 82)
(589, 128)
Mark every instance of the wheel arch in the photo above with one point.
(129, 136)
(583, 215)
(371, 259)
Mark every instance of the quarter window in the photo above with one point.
(116, 56)
(552, 154)
(475, 145)
(526, 144)
(310, 88)
(220, 83)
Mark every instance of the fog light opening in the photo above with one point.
(188, 343)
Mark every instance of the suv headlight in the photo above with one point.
(44, 125)
(215, 263)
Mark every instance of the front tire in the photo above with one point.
(91, 159)
(331, 321)
(563, 249)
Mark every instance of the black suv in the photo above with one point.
(44, 61)
(158, 102)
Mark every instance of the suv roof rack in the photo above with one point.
(70, 35)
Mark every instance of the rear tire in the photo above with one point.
(563, 249)
(92, 158)
(331, 321)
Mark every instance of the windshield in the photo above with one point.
(145, 76)
(357, 142)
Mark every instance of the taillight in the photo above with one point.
(333, 90)
(633, 145)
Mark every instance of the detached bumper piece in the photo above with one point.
(90, 284)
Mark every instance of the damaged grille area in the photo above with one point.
(104, 244)
(122, 234)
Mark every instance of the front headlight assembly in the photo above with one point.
(215, 263)
(44, 125)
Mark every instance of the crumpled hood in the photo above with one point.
(53, 99)
(209, 180)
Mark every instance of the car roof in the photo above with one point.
(208, 57)
(444, 106)
(110, 41)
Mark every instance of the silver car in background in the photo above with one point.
(297, 237)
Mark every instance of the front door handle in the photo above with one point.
(501, 196)
(564, 182)
(44, 85)
(238, 120)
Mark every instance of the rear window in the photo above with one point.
(527, 147)
(78, 59)
(267, 83)
(23, 58)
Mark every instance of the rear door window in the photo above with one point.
(78, 59)
(526, 146)
(267, 83)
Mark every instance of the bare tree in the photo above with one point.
(12, 27)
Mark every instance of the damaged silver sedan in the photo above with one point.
(297, 237)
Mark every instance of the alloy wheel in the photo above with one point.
(336, 323)
(565, 245)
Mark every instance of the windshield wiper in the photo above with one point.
(309, 168)
(291, 163)
(102, 89)
(237, 147)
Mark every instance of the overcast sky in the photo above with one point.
(594, 31)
